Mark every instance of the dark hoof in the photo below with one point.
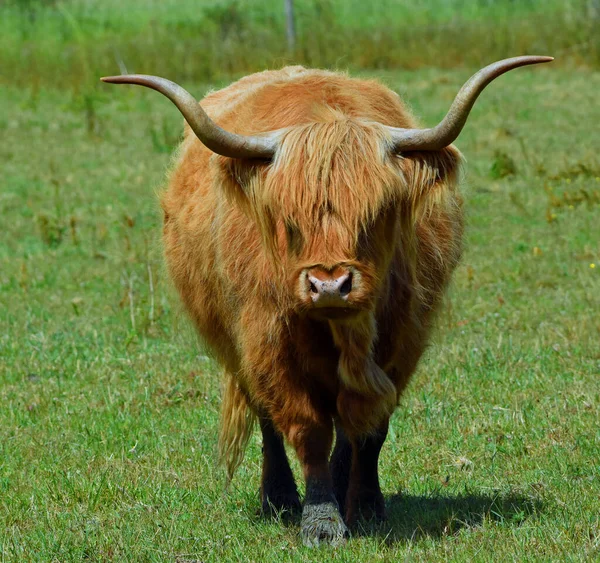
(322, 523)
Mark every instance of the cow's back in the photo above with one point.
(270, 100)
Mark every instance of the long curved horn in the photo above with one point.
(212, 136)
(440, 136)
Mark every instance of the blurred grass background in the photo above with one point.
(68, 44)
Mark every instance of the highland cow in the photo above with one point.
(311, 235)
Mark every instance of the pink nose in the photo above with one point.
(329, 288)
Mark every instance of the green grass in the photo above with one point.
(109, 407)
(67, 44)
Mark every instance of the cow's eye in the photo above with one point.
(294, 237)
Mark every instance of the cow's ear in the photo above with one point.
(447, 163)
(424, 171)
(430, 182)
(238, 177)
(240, 181)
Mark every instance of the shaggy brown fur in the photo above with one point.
(238, 235)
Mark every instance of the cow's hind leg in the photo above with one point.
(355, 469)
(340, 465)
(277, 487)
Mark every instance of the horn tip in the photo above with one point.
(527, 60)
(535, 59)
(114, 79)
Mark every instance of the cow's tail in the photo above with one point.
(237, 422)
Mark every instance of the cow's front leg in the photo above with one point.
(321, 518)
(277, 487)
(355, 474)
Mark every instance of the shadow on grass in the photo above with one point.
(411, 517)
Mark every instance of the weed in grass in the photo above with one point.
(578, 186)
(73, 230)
(91, 118)
(51, 229)
(52, 224)
(502, 166)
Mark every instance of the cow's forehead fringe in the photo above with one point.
(340, 166)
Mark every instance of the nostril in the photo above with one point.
(313, 288)
(346, 287)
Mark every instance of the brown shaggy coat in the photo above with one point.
(237, 233)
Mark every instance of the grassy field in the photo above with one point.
(109, 406)
(68, 43)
